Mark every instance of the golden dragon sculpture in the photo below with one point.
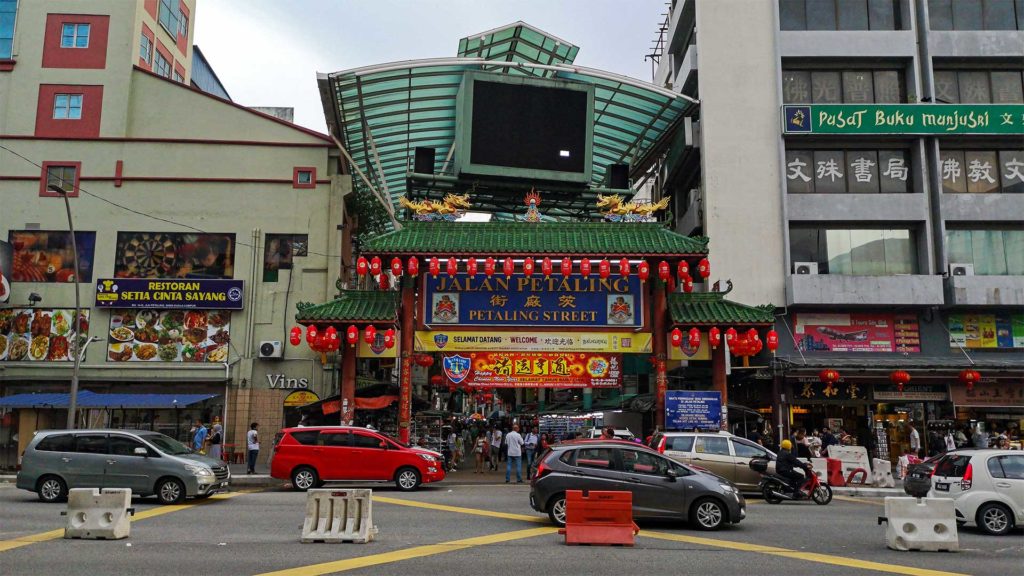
(615, 206)
(451, 204)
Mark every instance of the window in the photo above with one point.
(979, 86)
(982, 171)
(161, 66)
(57, 443)
(835, 87)
(334, 438)
(91, 444)
(145, 49)
(643, 462)
(124, 446)
(952, 465)
(67, 107)
(679, 443)
(63, 177)
(364, 441)
(840, 14)
(74, 36)
(992, 252)
(712, 445)
(178, 77)
(279, 251)
(847, 171)
(1011, 467)
(594, 458)
(8, 15)
(168, 16)
(306, 437)
(304, 177)
(747, 450)
(183, 25)
(976, 14)
(855, 252)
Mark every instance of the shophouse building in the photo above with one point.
(860, 164)
(199, 223)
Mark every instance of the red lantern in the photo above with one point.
(730, 337)
(384, 282)
(332, 338)
(375, 266)
(688, 285)
(508, 267)
(694, 338)
(585, 267)
(437, 380)
(489, 266)
(900, 378)
(704, 268)
(773, 341)
(758, 345)
(566, 268)
(528, 266)
(683, 270)
(471, 266)
(362, 266)
(370, 334)
(714, 336)
(311, 335)
(643, 270)
(752, 335)
(434, 267)
(545, 266)
(295, 336)
(425, 360)
(677, 337)
(604, 269)
(321, 342)
(414, 266)
(389, 338)
(452, 267)
(352, 335)
(968, 377)
(624, 267)
(396, 266)
(828, 376)
(664, 271)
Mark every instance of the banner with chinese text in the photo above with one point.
(481, 341)
(811, 389)
(534, 369)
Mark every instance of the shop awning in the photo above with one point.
(869, 362)
(360, 306)
(711, 308)
(511, 238)
(87, 399)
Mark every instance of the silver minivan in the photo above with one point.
(720, 452)
(149, 463)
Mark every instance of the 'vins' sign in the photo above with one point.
(278, 381)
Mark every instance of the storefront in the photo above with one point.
(999, 407)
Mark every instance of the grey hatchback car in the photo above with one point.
(149, 463)
(661, 488)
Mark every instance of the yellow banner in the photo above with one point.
(488, 341)
(684, 352)
(378, 349)
(300, 398)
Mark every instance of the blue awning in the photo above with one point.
(87, 399)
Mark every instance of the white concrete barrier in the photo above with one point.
(820, 467)
(852, 457)
(882, 473)
(927, 524)
(339, 516)
(98, 515)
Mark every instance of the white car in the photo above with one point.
(620, 433)
(987, 487)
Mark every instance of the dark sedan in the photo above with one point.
(661, 488)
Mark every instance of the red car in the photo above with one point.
(313, 455)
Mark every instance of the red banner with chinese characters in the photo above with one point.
(534, 369)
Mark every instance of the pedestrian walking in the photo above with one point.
(530, 444)
(514, 451)
(950, 441)
(252, 443)
(216, 442)
(494, 441)
(481, 450)
(915, 439)
(199, 437)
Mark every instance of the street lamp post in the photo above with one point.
(76, 357)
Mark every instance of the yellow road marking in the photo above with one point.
(459, 509)
(409, 553)
(20, 541)
(859, 500)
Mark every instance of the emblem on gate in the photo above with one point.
(456, 368)
(620, 309)
(446, 308)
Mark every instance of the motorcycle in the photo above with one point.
(776, 488)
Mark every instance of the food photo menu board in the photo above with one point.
(169, 336)
(39, 334)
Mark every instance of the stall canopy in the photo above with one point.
(87, 399)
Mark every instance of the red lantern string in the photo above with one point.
(414, 266)
(585, 267)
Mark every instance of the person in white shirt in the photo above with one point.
(915, 440)
(252, 441)
(530, 444)
(515, 455)
(494, 440)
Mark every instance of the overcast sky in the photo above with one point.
(267, 52)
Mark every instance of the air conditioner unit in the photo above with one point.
(961, 269)
(805, 268)
(271, 349)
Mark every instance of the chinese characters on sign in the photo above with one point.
(903, 119)
(989, 394)
(480, 341)
(814, 389)
(533, 369)
(857, 332)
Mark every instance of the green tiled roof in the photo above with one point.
(352, 306)
(494, 238)
(712, 308)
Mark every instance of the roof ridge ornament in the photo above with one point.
(617, 210)
(532, 201)
(450, 208)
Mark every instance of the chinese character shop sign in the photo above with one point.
(903, 119)
(534, 369)
(521, 300)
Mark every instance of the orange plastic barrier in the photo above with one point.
(835, 472)
(599, 517)
(854, 472)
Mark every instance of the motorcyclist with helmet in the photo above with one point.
(786, 465)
